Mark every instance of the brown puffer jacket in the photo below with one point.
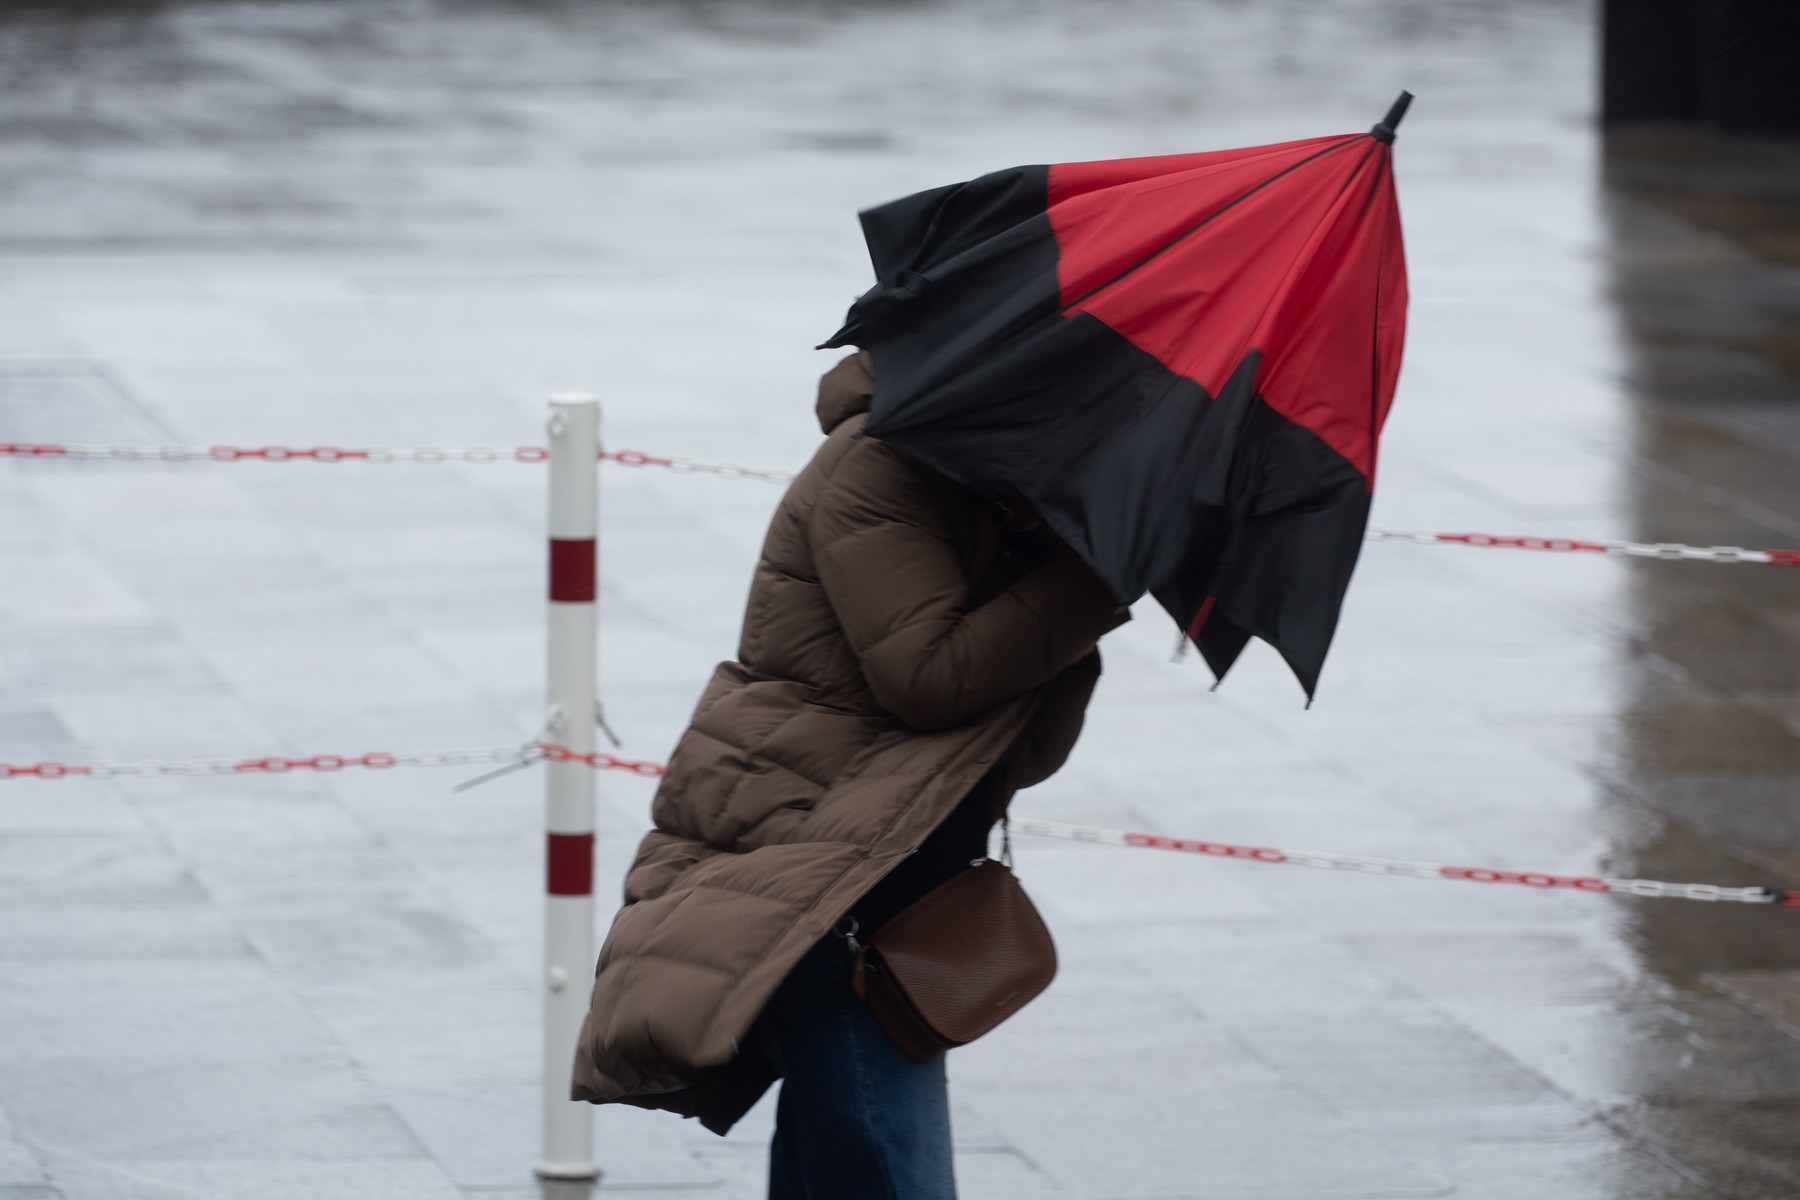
(892, 655)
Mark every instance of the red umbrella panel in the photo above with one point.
(1184, 362)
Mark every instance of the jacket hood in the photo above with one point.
(844, 390)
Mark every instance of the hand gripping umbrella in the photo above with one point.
(1182, 362)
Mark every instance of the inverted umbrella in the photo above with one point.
(1183, 362)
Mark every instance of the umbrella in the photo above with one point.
(1183, 362)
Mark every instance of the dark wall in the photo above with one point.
(1733, 64)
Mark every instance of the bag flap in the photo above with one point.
(970, 953)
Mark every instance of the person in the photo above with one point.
(913, 653)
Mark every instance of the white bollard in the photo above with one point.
(569, 786)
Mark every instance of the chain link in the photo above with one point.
(601, 760)
(689, 466)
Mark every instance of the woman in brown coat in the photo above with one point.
(912, 654)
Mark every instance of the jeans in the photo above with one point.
(856, 1119)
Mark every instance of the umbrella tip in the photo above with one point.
(1384, 128)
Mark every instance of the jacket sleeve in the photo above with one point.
(1055, 725)
(899, 593)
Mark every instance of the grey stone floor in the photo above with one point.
(403, 223)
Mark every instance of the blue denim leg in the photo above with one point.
(856, 1119)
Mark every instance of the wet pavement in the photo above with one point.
(401, 223)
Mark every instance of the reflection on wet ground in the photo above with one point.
(402, 222)
(1705, 264)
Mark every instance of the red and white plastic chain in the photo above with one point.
(688, 466)
(1423, 870)
(414, 454)
(1663, 550)
(551, 752)
(276, 765)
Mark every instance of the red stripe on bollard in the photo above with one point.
(572, 569)
(570, 858)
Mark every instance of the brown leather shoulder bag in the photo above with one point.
(963, 958)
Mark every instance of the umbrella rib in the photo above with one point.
(1184, 234)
